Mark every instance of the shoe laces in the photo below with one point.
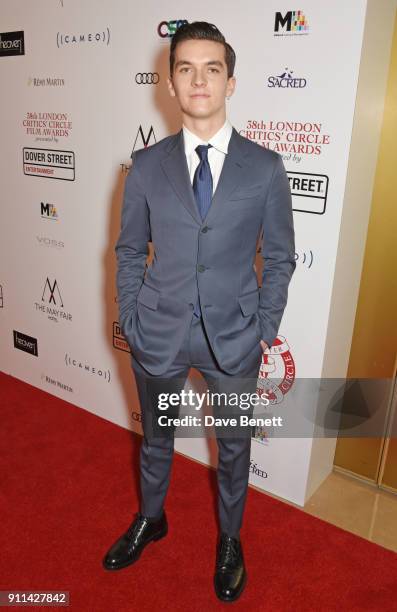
(137, 527)
(229, 551)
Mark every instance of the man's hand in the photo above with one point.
(264, 345)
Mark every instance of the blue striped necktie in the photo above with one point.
(202, 187)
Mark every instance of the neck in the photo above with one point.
(204, 128)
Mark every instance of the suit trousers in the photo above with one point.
(157, 451)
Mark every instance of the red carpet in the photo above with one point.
(69, 489)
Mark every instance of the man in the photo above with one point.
(201, 197)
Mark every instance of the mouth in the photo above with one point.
(200, 95)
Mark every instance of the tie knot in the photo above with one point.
(202, 151)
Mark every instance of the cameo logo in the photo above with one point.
(85, 38)
(25, 343)
(309, 192)
(144, 139)
(50, 242)
(12, 43)
(119, 342)
(147, 78)
(48, 211)
(305, 257)
(291, 24)
(136, 416)
(49, 163)
(85, 367)
(167, 29)
(286, 80)
(1, 297)
(54, 309)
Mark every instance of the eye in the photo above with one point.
(213, 69)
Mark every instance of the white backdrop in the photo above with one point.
(75, 104)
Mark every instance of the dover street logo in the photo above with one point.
(309, 192)
(12, 43)
(49, 163)
(119, 342)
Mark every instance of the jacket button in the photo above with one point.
(205, 229)
(200, 268)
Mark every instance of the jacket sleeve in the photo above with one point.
(132, 246)
(278, 252)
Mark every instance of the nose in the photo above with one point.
(198, 78)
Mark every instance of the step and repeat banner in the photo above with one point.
(84, 85)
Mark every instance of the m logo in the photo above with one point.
(141, 139)
(51, 293)
(294, 22)
(48, 211)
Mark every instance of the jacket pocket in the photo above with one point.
(148, 296)
(246, 194)
(249, 302)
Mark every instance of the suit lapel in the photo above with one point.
(231, 175)
(177, 172)
(175, 167)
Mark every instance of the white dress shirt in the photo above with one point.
(216, 154)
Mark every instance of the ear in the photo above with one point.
(230, 87)
(170, 86)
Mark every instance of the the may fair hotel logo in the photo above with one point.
(47, 126)
(292, 139)
(51, 303)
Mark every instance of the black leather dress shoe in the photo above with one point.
(230, 575)
(128, 548)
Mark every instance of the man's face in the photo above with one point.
(199, 80)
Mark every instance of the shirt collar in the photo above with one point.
(219, 141)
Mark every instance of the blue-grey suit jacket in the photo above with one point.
(212, 258)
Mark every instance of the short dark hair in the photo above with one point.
(201, 30)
